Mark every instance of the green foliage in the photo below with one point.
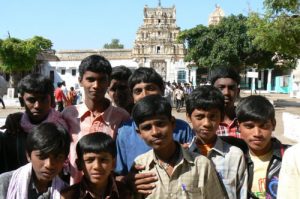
(114, 45)
(225, 44)
(20, 55)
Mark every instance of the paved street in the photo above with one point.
(282, 102)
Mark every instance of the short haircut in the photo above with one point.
(96, 143)
(96, 64)
(205, 97)
(121, 73)
(146, 75)
(48, 138)
(255, 108)
(36, 83)
(151, 106)
(224, 72)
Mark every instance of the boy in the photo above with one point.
(143, 82)
(256, 117)
(182, 174)
(36, 92)
(47, 148)
(205, 110)
(227, 80)
(96, 114)
(96, 154)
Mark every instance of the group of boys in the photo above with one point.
(153, 154)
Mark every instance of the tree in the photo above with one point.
(224, 44)
(114, 45)
(18, 55)
(278, 29)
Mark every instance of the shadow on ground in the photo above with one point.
(286, 103)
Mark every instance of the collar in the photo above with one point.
(218, 147)
(111, 188)
(33, 191)
(233, 123)
(83, 111)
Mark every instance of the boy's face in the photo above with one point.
(257, 135)
(229, 89)
(157, 131)
(205, 123)
(94, 84)
(142, 90)
(97, 167)
(37, 106)
(119, 92)
(46, 168)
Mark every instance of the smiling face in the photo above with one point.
(229, 89)
(46, 167)
(95, 85)
(141, 90)
(157, 131)
(257, 135)
(37, 106)
(97, 167)
(205, 123)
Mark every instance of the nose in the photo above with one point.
(206, 122)
(49, 162)
(96, 84)
(37, 104)
(256, 131)
(155, 130)
(225, 91)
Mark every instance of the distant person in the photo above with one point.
(118, 90)
(205, 110)
(227, 80)
(3, 88)
(72, 96)
(179, 96)
(47, 148)
(181, 174)
(96, 153)
(37, 95)
(60, 97)
(64, 88)
(96, 114)
(2, 102)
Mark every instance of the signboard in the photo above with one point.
(252, 74)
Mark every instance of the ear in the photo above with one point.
(79, 164)
(274, 124)
(79, 80)
(28, 157)
(188, 118)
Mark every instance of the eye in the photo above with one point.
(146, 127)
(89, 159)
(137, 91)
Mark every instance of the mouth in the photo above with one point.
(157, 141)
(48, 174)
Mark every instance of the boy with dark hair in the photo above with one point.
(36, 92)
(118, 90)
(205, 110)
(182, 174)
(256, 117)
(227, 80)
(47, 148)
(96, 153)
(143, 82)
(96, 114)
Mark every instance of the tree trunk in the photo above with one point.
(14, 79)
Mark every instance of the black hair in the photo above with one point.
(146, 75)
(48, 138)
(224, 72)
(255, 108)
(95, 143)
(96, 64)
(205, 97)
(150, 106)
(121, 73)
(36, 83)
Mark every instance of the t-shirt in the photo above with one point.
(259, 173)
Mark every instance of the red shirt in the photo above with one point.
(59, 95)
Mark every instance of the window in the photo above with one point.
(73, 72)
(63, 71)
(181, 76)
(158, 49)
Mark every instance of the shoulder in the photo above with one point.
(126, 128)
(232, 150)
(145, 158)
(4, 183)
(123, 190)
(71, 192)
(181, 123)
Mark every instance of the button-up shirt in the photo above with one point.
(229, 129)
(231, 166)
(193, 177)
(81, 122)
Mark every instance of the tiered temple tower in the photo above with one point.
(216, 16)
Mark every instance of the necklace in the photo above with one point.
(172, 159)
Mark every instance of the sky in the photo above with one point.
(89, 24)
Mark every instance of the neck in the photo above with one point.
(42, 186)
(199, 140)
(98, 190)
(166, 154)
(97, 106)
(229, 114)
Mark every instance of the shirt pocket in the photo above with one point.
(190, 192)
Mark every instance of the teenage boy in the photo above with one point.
(96, 155)
(182, 174)
(36, 92)
(205, 110)
(256, 117)
(118, 90)
(227, 80)
(143, 82)
(96, 114)
(47, 148)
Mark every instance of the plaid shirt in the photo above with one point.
(193, 177)
(231, 129)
